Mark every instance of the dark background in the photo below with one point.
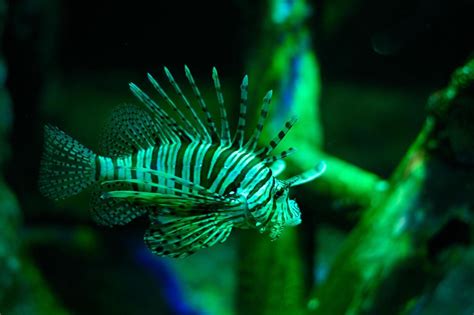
(69, 62)
(407, 45)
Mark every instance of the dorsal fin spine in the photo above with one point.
(262, 153)
(206, 137)
(281, 156)
(225, 132)
(253, 141)
(189, 130)
(239, 133)
(166, 123)
(209, 121)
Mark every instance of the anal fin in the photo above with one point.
(112, 211)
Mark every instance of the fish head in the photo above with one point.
(286, 209)
(279, 213)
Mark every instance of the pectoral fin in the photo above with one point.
(184, 196)
(182, 236)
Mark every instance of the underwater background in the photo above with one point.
(384, 93)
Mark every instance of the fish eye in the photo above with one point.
(279, 193)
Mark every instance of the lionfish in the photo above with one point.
(194, 183)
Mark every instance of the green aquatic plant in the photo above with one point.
(401, 214)
(391, 247)
(22, 287)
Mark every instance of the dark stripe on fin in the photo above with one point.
(167, 125)
(281, 156)
(204, 132)
(262, 153)
(253, 141)
(240, 133)
(189, 130)
(209, 121)
(225, 132)
(183, 236)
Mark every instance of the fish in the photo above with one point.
(164, 161)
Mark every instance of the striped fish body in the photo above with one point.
(220, 169)
(194, 183)
(223, 170)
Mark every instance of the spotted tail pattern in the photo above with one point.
(67, 167)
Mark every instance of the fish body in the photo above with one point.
(194, 183)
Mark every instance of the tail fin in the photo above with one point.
(67, 167)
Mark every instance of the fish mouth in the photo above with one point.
(293, 222)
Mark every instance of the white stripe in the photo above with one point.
(139, 165)
(199, 160)
(162, 155)
(103, 167)
(246, 184)
(165, 159)
(159, 166)
(147, 164)
(173, 155)
(109, 168)
(215, 156)
(231, 159)
(261, 194)
(187, 163)
(128, 164)
(235, 172)
(121, 169)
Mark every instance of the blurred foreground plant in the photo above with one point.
(22, 288)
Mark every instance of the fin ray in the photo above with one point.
(225, 131)
(240, 132)
(128, 130)
(183, 236)
(168, 126)
(189, 130)
(209, 121)
(113, 211)
(265, 151)
(253, 141)
(67, 167)
(204, 132)
(281, 156)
